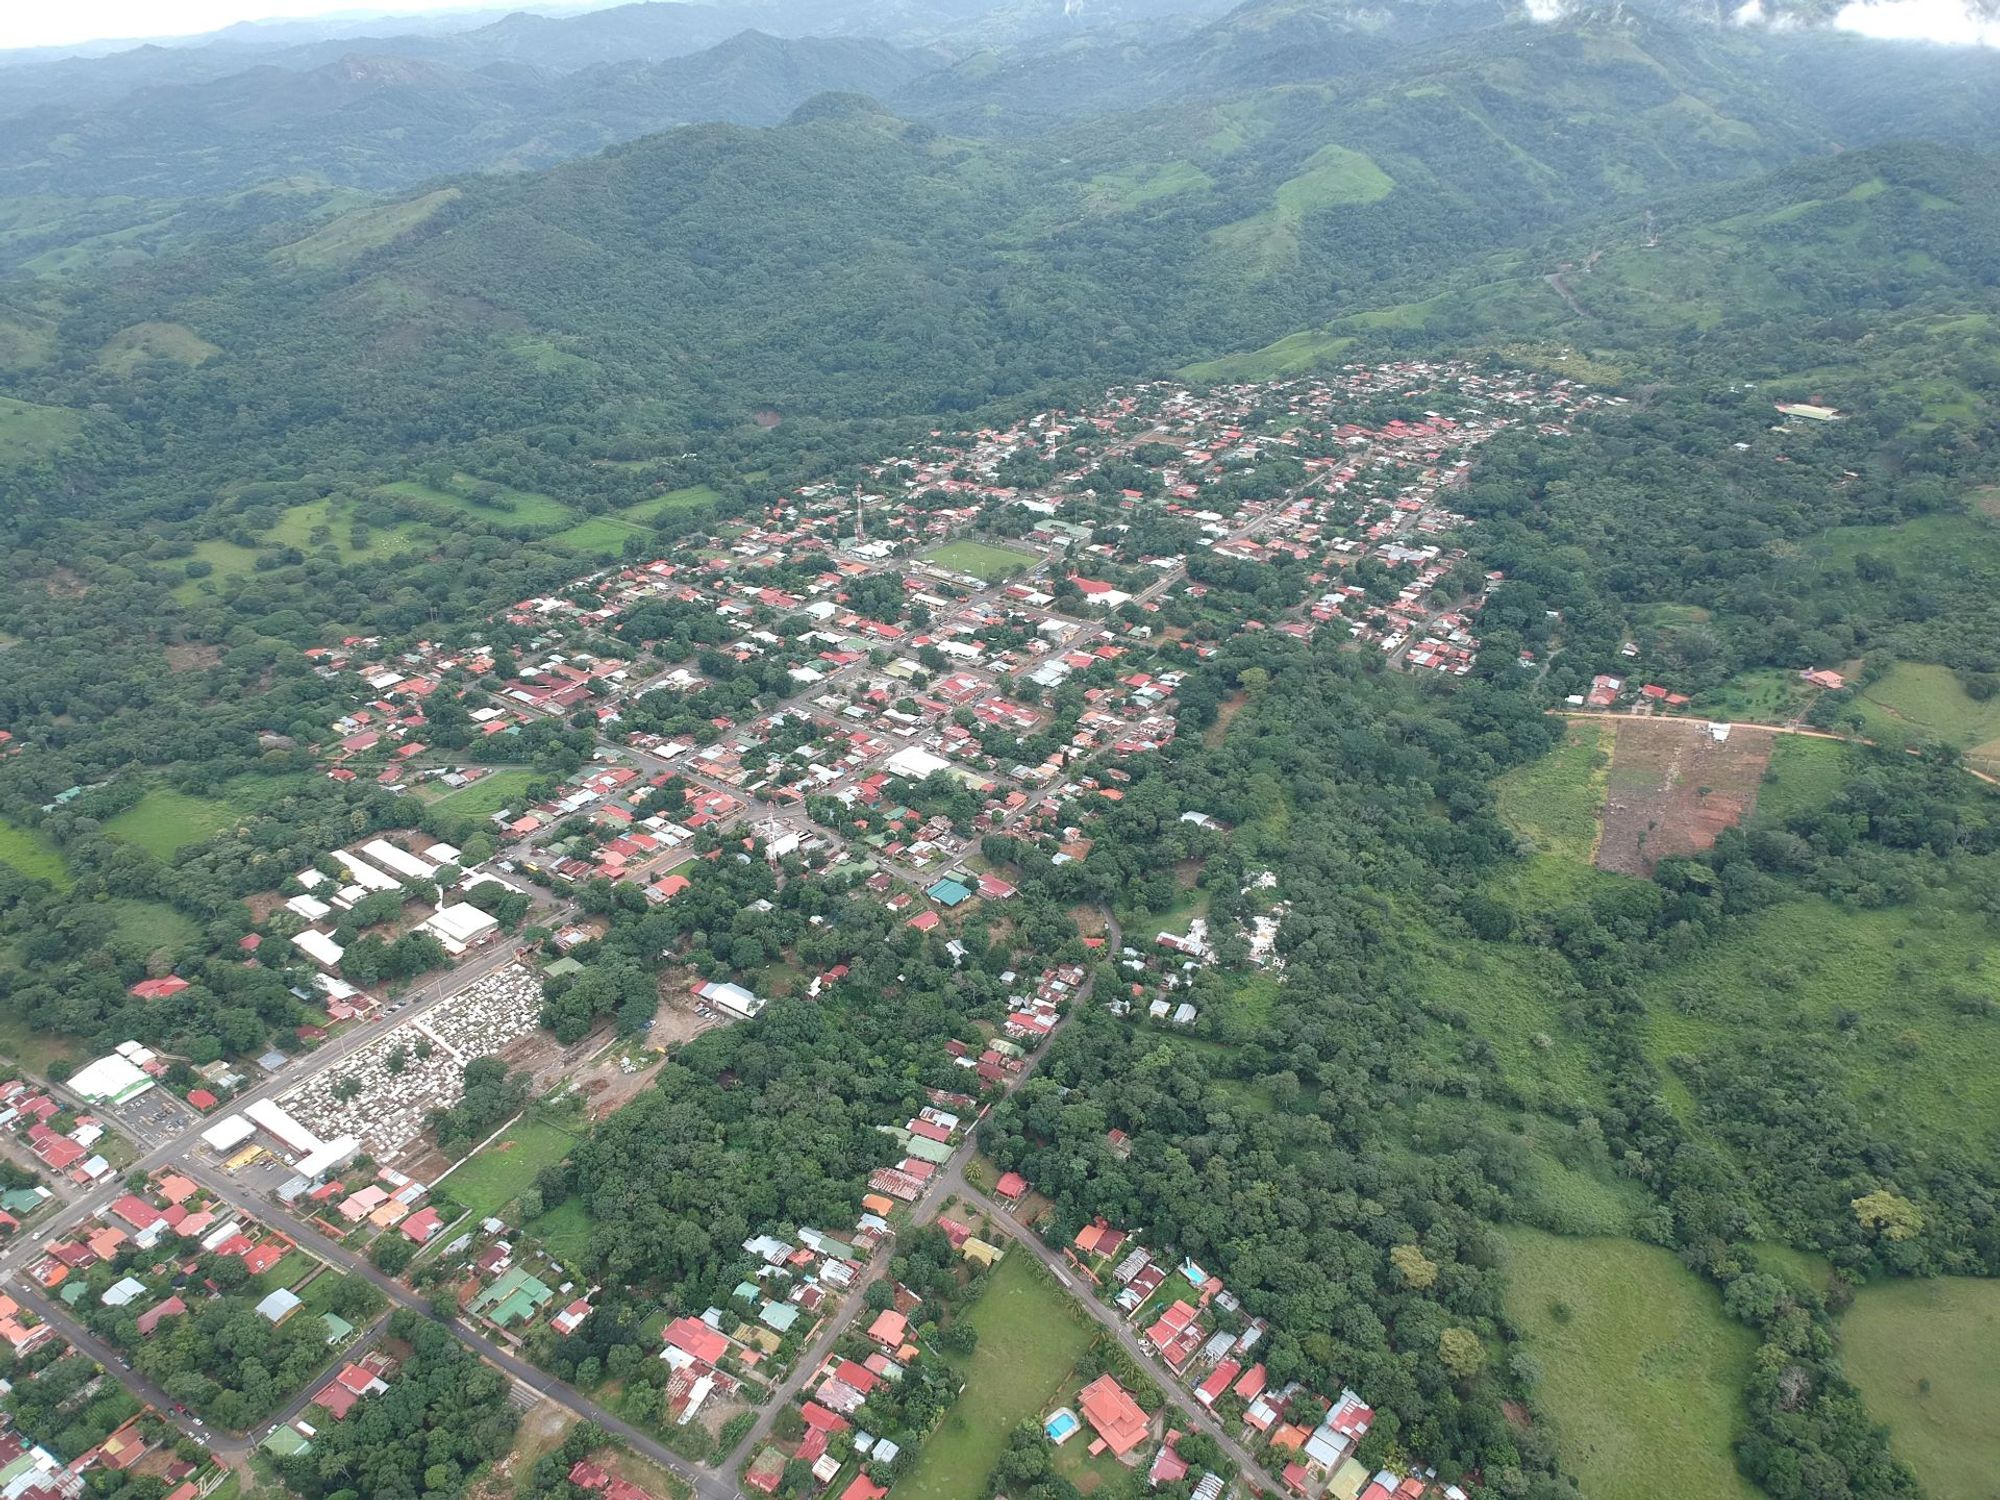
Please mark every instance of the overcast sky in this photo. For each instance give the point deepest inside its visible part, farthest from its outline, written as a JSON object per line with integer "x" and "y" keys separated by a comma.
{"x": 27, "y": 23}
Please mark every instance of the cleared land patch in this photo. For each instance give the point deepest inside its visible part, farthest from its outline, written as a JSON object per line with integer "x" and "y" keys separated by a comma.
{"x": 499, "y": 1174}
{"x": 1642, "y": 1372}
{"x": 29, "y": 431}
{"x": 1889, "y": 997}
{"x": 1030, "y": 1337}
{"x": 33, "y": 854}
{"x": 353, "y": 235}
{"x": 1673, "y": 787}
{"x": 1929, "y": 701}
{"x": 128, "y": 348}
{"x": 165, "y": 820}
{"x": 1926, "y": 1355}
{"x": 488, "y": 795}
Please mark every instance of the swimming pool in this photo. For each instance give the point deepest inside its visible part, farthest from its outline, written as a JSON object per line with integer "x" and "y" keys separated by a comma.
{"x": 1061, "y": 1425}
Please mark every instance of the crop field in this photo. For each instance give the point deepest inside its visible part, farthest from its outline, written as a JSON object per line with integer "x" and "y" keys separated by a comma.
{"x": 1030, "y": 1337}
{"x": 1672, "y": 788}
{"x": 981, "y": 559}
{"x": 31, "y": 853}
{"x": 1885, "y": 992}
{"x": 1926, "y": 1356}
{"x": 1641, "y": 1370}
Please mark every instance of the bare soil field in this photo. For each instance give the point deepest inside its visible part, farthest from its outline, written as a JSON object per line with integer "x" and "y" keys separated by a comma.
{"x": 1673, "y": 788}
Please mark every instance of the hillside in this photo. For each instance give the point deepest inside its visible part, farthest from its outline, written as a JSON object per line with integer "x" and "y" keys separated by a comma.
{"x": 855, "y": 265}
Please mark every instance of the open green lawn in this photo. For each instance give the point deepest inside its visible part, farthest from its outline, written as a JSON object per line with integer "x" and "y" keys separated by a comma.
{"x": 495, "y": 1177}
{"x": 981, "y": 559}
{"x": 130, "y": 347}
{"x": 1764, "y": 695}
{"x": 1030, "y": 1337}
{"x": 316, "y": 528}
{"x": 165, "y": 820}
{"x": 487, "y": 796}
{"x": 32, "y": 853}
{"x": 1916, "y": 1066}
{"x": 1926, "y": 1356}
{"x": 1642, "y": 1373}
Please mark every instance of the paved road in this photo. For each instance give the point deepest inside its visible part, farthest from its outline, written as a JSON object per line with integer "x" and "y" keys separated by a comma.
{"x": 946, "y": 1184}
{"x": 1130, "y": 1341}
{"x": 54, "y": 1312}
{"x": 219, "y": 1183}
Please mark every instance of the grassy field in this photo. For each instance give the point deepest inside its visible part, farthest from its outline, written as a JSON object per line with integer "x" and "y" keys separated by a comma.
{"x": 126, "y": 349}
{"x": 1513, "y": 996}
{"x": 530, "y": 509}
{"x": 1915, "y": 698}
{"x": 487, "y": 796}
{"x": 1926, "y": 1355}
{"x": 1555, "y": 805}
{"x": 981, "y": 559}
{"x": 599, "y": 534}
{"x": 1766, "y": 695}
{"x": 565, "y": 1232}
{"x": 1915, "y": 1067}
{"x": 165, "y": 820}
{"x": 352, "y": 235}
{"x": 496, "y": 1176}
{"x": 1294, "y": 354}
{"x": 29, "y": 1047}
{"x": 29, "y": 431}
{"x": 1568, "y": 1200}
{"x": 1641, "y": 1370}
{"x": 1114, "y": 192}
{"x": 148, "y": 926}
{"x": 31, "y": 853}
{"x": 1803, "y": 775}
{"x": 1030, "y": 1337}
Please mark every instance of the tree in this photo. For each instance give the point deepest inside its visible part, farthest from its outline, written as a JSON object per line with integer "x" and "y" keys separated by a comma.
{"x": 1461, "y": 1352}
{"x": 1417, "y": 1270}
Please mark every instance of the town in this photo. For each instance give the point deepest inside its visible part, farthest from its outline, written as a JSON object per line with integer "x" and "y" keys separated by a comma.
{"x": 887, "y": 694}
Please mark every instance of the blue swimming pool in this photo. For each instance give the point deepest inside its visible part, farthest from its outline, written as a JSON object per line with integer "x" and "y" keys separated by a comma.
{"x": 1060, "y": 1425}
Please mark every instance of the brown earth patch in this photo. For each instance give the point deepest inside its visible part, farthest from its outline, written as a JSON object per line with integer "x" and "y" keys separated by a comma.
{"x": 767, "y": 416}
{"x": 1517, "y": 1414}
{"x": 1673, "y": 788}
{"x": 1228, "y": 709}
{"x": 192, "y": 657}
{"x": 1986, "y": 500}
{"x": 262, "y": 904}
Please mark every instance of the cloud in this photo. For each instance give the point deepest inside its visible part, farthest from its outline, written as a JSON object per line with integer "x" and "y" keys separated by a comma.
{"x": 1957, "y": 23}
{"x": 1544, "y": 11}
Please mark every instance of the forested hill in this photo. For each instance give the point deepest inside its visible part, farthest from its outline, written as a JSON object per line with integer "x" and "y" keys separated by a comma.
{"x": 852, "y": 264}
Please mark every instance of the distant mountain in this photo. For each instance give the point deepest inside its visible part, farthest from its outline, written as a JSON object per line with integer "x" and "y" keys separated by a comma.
{"x": 852, "y": 264}
{"x": 378, "y": 122}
